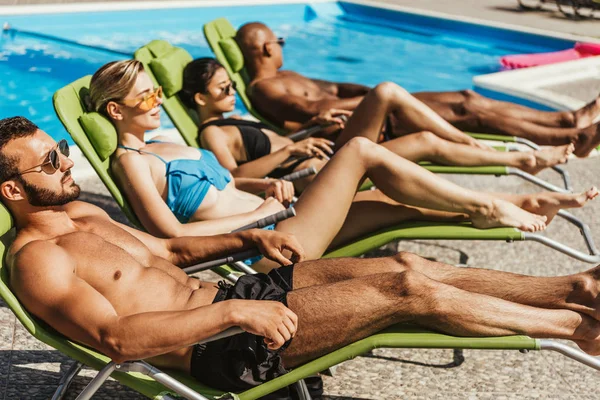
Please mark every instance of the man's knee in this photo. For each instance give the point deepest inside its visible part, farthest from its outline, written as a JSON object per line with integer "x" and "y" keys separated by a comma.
{"x": 414, "y": 286}
{"x": 407, "y": 260}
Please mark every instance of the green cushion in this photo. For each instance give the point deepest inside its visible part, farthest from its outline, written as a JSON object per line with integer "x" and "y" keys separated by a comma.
{"x": 233, "y": 53}
{"x": 159, "y": 48}
{"x": 168, "y": 70}
{"x": 101, "y": 132}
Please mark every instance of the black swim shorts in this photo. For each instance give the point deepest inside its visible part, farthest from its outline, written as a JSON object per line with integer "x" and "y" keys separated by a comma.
{"x": 240, "y": 362}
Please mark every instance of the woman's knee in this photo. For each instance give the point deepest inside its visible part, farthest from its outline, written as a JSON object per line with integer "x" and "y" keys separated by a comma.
{"x": 361, "y": 148}
{"x": 387, "y": 91}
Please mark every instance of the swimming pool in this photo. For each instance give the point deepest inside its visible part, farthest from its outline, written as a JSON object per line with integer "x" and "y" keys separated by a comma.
{"x": 336, "y": 41}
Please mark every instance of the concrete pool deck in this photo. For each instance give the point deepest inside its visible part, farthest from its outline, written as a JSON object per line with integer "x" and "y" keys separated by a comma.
{"x": 31, "y": 370}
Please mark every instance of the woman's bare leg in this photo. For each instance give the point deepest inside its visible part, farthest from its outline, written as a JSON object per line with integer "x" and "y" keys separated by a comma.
{"x": 549, "y": 203}
{"x": 388, "y": 98}
{"x": 331, "y": 316}
{"x": 324, "y": 205}
{"x": 425, "y": 146}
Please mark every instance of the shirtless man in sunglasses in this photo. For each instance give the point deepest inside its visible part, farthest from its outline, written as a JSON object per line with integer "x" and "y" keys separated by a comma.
{"x": 122, "y": 303}
{"x": 290, "y": 99}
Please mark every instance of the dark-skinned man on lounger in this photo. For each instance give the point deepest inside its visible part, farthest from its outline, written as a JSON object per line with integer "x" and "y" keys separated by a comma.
{"x": 290, "y": 99}
{"x": 134, "y": 302}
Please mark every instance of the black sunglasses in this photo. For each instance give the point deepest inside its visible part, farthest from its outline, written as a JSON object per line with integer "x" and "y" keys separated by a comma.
{"x": 52, "y": 163}
{"x": 280, "y": 41}
{"x": 230, "y": 88}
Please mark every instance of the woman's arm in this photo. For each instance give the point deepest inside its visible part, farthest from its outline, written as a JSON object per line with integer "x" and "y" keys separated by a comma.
{"x": 214, "y": 139}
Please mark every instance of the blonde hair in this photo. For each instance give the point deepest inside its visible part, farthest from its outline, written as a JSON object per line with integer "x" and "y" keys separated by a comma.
{"x": 112, "y": 82}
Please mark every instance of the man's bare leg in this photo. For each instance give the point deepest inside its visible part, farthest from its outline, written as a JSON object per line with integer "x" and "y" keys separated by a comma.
{"x": 409, "y": 296}
{"x": 476, "y": 113}
{"x": 324, "y": 205}
{"x": 455, "y": 105}
{"x": 578, "y": 292}
{"x": 426, "y": 146}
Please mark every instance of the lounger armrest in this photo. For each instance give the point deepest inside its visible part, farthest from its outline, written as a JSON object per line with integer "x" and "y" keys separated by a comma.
{"x": 221, "y": 261}
{"x": 303, "y": 173}
{"x": 305, "y": 133}
{"x": 270, "y": 220}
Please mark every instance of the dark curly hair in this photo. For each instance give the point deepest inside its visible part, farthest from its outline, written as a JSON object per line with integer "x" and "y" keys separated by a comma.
{"x": 10, "y": 129}
{"x": 196, "y": 77}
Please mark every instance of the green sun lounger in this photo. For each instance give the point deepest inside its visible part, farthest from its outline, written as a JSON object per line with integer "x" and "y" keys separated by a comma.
{"x": 156, "y": 384}
{"x": 97, "y": 138}
{"x": 70, "y": 109}
{"x": 220, "y": 35}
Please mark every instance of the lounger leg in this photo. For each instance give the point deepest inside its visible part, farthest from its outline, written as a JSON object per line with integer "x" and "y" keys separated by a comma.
{"x": 97, "y": 382}
{"x": 564, "y": 174}
{"x": 566, "y": 350}
{"x": 583, "y": 228}
{"x": 535, "y": 180}
{"x": 66, "y": 380}
{"x": 240, "y": 266}
{"x": 144, "y": 368}
{"x": 578, "y": 255}
{"x": 302, "y": 389}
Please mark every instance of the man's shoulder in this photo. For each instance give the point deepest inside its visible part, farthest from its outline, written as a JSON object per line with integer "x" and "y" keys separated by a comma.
{"x": 81, "y": 209}
{"x": 31, "y": 254}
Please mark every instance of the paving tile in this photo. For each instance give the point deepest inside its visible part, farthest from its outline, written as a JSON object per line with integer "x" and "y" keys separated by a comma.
{"x": 24, "y": 341}
{"x": 7, "y": 327}
{"x": 109, "y": 391}
{"x": 573, "y": 375}
{"x": 377, "y": 375}
{"x": 495, "y": 371}
{"x": 5, "y": 356}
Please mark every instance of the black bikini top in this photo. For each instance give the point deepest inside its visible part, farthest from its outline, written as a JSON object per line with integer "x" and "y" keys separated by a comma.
{"x": 256, "y": 143}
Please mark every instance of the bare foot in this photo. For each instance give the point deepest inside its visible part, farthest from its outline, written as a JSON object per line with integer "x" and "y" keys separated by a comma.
{"x": 588, "y": 114}
{"x": 546, "y": 158}
{"x": 548, "y": 203}
{"x": 587, "y": 140}
{"x": 504, "y": 213}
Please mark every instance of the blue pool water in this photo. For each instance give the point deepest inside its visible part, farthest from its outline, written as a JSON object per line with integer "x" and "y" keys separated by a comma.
{"x": 333, "y": 41}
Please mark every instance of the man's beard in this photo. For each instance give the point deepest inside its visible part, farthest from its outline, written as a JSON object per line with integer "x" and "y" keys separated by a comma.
{"x": 40, "y": 197}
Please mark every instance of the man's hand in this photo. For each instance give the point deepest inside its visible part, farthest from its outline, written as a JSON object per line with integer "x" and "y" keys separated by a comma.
{"x": 269, "y": 319}
{"x": 311, "y": 147}
{"x": 282, "y": 191}
{"x": 332, "y": 116}
{"x": 271, "y": 244}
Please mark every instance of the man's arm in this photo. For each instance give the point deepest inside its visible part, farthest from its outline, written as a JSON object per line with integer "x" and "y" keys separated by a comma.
{"x": 77, "y": 310}
{"x": 342, "y": 90}
{"x": 291, "y": 111}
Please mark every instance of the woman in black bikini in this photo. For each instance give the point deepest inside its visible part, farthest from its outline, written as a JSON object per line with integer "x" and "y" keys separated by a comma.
{"x": 251, "y": 149}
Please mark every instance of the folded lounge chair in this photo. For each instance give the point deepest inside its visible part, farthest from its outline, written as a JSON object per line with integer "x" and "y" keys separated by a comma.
{"x": 96, "y": 137}
{"x": 156, "y": 384}
{"x": 220, "y": 35}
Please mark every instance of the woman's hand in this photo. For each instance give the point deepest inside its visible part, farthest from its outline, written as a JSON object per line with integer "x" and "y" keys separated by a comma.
{"x": 332, "y": 116}
{"x": 282, "y": 191}
{"x": 312, "y": 147}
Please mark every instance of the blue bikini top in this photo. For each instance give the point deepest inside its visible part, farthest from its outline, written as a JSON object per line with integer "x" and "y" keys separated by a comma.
{"x": 189, "y": 180}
